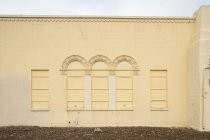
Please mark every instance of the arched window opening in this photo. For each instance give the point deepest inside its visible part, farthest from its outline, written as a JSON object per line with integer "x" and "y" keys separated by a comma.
{"x": 100, "y": 86}
{"x": 124, "y": 86}
{"x": 75, "y": 87}
{"x": 74, "y": 68}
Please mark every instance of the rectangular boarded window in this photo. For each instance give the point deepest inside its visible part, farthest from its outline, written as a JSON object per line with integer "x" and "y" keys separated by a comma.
{"x": 158, "y": 89}
{"x": 100, "y": 92}
{"x": 124, "y": 91}
{"x": 75, "y": 91}
{"x": 40, "y": 89}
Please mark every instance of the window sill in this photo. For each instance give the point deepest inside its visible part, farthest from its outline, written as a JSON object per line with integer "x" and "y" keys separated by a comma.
{"x": 99, "y": 110}
{"x": 41, "y": 110}
{"x": 159, "y": 109}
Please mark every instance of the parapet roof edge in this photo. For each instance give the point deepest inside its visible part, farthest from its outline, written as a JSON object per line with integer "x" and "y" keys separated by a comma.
{"x": 99, "y": 17}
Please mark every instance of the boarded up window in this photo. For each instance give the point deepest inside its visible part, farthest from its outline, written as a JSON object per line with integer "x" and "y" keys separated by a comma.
{"x": 40, "y": 89}
{"x": 75, "y": 90}
{"x": 100, "y": 92}
{"x": 124, "y": 90}
{"x": 158, "y": 89}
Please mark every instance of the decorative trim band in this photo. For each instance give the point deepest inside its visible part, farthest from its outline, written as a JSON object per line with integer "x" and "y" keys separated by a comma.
{"x": 99, "y": 19}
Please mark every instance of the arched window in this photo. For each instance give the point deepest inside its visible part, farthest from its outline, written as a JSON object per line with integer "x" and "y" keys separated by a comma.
{"x": 100, "y": 66}
{"x": 125, "y": 67}
{"x": 74, "y": 67}
{"x": 99, "y": 84}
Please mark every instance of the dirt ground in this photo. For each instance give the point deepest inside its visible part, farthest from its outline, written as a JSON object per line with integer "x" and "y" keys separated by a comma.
{"x": 109, "y": 133}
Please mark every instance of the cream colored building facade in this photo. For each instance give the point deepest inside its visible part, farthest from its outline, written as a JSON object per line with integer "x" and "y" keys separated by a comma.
{"x": 105, "y": 71}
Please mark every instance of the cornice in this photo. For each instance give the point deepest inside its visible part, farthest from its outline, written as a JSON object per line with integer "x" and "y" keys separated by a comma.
{"x": 96, "y": 19}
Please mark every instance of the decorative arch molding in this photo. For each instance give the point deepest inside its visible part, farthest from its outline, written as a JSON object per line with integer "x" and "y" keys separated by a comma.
{"x": 125, "y": 58}
{"x": 74, "y": 58}
{"x": 111, "y": 65}
{"x": 101, "y": 58}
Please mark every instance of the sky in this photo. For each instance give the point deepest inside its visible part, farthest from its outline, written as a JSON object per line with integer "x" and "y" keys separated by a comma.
{"x": 101, "y": 7}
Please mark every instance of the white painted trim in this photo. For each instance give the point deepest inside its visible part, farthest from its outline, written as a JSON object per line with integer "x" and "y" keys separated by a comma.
{"x": 112, "y": 97}
{"x": 87, "y": 92}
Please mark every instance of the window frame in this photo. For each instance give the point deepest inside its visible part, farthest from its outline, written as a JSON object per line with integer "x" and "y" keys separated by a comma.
{"x": 166, "y": 89}
{"x": 32, "y": 89}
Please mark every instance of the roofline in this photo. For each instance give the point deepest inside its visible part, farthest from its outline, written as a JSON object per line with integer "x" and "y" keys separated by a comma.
{"x": 99, "y": 17}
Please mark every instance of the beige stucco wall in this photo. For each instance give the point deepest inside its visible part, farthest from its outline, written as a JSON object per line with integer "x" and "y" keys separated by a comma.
{"x": 199, "y": 55}
{"x": 43, "y": 43}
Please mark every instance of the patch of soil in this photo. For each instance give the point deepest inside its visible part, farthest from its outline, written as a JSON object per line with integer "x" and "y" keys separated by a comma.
{"x": 109, "y": 133}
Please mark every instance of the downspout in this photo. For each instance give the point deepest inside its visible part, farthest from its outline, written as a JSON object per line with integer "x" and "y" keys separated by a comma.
{"x": 203, "y": 97}
{"x": 203, "y": 101}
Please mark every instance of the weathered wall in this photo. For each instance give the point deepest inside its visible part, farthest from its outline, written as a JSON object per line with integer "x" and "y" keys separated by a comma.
{"x": 44, "y": 43}
{"x": 199, "y": 55}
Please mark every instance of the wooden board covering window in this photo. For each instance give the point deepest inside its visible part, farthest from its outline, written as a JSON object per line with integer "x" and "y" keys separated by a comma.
{"x": 124, "y": 90}
{"x": 100, "y": 92}
{"x": 75, "y": 91}
{"x": 158, "y": 89}
{"x": 40, "y": 89}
